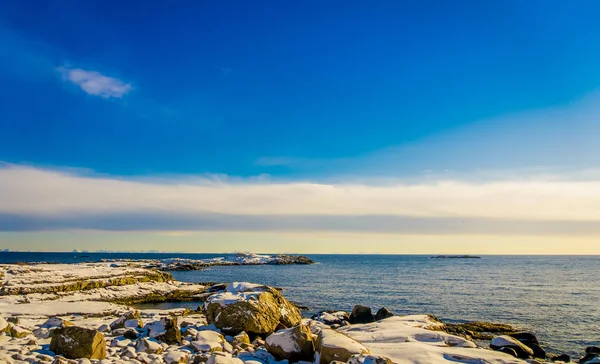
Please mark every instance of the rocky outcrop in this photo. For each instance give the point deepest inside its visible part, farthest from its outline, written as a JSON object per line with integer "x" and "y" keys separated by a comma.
{"x": 332, "y": 345}
{"x": 479, "y": 330}
{"x": 252, "y": 308}
{"x": 521, "y": 350}
{"x": 293, "y": 344}
{"x": 383, "y": 313}
{"x": 77, "y": 342}
{"x": 592, "y": 355}
{"x": 361, "y": 315}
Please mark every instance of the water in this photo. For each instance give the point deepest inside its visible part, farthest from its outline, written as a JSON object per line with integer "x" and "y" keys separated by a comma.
{"x": 556, "y": 297}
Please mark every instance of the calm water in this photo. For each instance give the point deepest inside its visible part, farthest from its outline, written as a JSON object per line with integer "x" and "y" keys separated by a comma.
{"x": 557, "y": 297}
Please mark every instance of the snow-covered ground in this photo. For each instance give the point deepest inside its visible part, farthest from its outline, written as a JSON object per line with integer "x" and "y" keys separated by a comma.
{"x": 34, "y": 312}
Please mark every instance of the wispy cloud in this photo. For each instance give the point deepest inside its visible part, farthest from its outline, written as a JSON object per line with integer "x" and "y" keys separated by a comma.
{"x": 38, "y": 199}
{"x": 95, "y": 83}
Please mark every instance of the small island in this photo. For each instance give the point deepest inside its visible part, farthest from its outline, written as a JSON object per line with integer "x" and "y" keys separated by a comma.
{"x": 455, "y": 257}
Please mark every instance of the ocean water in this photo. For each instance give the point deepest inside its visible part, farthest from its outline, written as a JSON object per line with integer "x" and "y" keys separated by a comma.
{"x": 556, "y": 297}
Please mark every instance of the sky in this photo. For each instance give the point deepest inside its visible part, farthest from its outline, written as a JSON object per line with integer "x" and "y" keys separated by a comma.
{"x": 413, "y": 127}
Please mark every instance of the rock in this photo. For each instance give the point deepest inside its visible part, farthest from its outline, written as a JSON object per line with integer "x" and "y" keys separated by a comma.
{"x": 176, "y": 357}
{"x": 368, "y": 359}
{"x": 77, "y": 342}
{"x": 208, "y": 341}
{"x": 131, "y": 334}
{"x": 594, "y": 350}
{"x": 332, "y": 317}
{"x": 240, "y": 338}
{"x": 531, "y": 341}
{"x": 361, "y": 315}
{"x": 590, "y": 359}
{"x": 104, "y": 328}
{"x": 128, "y": 352}
{"x": 148, "y": 346}
{"x": 508, "y": 350}
{"x": 592, "y": 355}
{"x": 562, "y": 357}
{"x": 3, "y": 324}
{"x": 252, "y": 308}
{"x": 129, "y": 320}
{"x": 293, "y": 344}
{"x": 332, "y": 345}
{"x": 166, "y": 330}
{"x": 383, "y": 313}
{"x": 18, "y": 331}
{"x": 218, "y": 358}
{"x": 54, "y": 322}
{"x": 522, "y": 351}
{"x": 14, "y": 320}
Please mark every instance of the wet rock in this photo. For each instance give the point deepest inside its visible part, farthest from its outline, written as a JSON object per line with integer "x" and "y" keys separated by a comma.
{"x": 592, "y": 355}
{"x": 332, "y": 345}
{"x": 562, "y": 357}
{"x": 77, "y": 342}
{"x": 531, "y": 341}
{"x": 509, "y": 351}
{"x": 293, "y": 344}
{"x": 383, "y": 313}
{"x": 361, "y": 315}
{"x": 522, "y": 351}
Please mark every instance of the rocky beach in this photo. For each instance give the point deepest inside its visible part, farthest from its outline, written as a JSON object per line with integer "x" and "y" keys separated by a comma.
{"x": 81, "y": 313}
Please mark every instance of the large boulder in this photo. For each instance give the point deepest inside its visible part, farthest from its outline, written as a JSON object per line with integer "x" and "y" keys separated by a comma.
{"x": 531, "y": 341}
{"x": 253, "y": 308}
{"x": 332, "y": 345}
{"x": 293, "y": 344}
{"x": 166, "y": 330}
{"x": 77, "y": 342}
{"x": 383, "y": 313}
{"x": 361, "y": 315}
{"x": 592, "y": 355}
{"x": 505, "y": 341}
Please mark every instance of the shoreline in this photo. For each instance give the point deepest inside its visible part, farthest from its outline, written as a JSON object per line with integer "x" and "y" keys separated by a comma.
{"x": 33, "y": 294}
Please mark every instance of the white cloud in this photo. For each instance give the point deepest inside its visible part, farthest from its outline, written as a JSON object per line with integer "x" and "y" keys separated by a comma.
{"x": 26, "y": 191}
{"x": 95, "y": 83}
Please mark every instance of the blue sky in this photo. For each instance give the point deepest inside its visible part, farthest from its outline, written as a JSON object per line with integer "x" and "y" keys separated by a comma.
{"x": 320, "y": 93}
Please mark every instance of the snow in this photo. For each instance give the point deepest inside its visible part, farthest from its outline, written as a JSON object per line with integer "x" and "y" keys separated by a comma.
{"x": 285, "y": 340}
{"x": 332, "y": 339}
{"x": 236, "y": 292}
{"x": 405, "y": 340}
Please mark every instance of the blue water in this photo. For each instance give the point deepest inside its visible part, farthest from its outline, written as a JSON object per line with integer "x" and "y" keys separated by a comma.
{"x": 556, "y": 297}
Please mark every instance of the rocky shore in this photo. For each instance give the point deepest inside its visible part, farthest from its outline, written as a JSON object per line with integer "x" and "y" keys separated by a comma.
{"x": 60, "y": 313}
